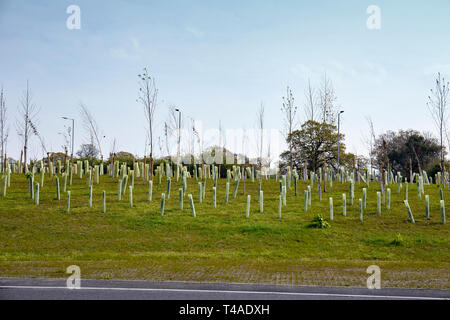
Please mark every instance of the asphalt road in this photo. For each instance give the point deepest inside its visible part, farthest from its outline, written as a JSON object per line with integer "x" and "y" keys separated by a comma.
{"x": 56, "y": 289}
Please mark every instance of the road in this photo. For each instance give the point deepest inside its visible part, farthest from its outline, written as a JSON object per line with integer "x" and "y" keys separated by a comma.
{"x": 55, "y": 289}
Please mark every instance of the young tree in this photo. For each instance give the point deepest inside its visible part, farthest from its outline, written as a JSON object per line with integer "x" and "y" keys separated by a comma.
{"x": 260, "y": 138}
{"x": 28, "y": 112}
{"x": 174, "y": 126}
{"x": 290, "y": 111}
{"x": 327, "y": 100}
{"x": 67, "y": 136}
{"x": 173, "y": 120}
{"x": 166, "y": 139}
{"x": 35, "y": 131}
{"x": 370, "y": 142}
{"x": 92, "y": 128}
{"x": 148, "y": 95}
{"x": 112, "y": 154}
{"x": 311, "y": 103}
{"x": 437, "y": 105}
{"x": 4, "y": 130}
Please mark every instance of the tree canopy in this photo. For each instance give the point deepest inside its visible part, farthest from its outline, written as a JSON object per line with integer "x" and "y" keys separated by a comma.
{"x": 399, "y": 148}
{"x": 88, "y": 151}
{"x": 315, "y": 143}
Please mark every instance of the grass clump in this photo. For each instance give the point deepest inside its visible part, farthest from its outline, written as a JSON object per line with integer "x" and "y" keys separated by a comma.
{"x": 398, "y": 241}
{"x": 319, "y": 222}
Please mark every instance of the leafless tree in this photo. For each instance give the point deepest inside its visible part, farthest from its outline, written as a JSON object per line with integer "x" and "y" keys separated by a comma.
{"x": 290, "y": 110}
{"x": 174, "y": 125}
{"x": 437, "y": 104}
{"x": 221, "y": 144}
{"x": 173, "y": 120}
{"x": 28, "y": 112}
{"x": 35, "y": 131}
{"x": 166, "y": 138}
{"x": 160, "y": 146}
{"x": 67, "y": 136}
{"x": 269, "y": 157}
{"x": 244, "y": 150}
{"x": 200, "y": 142}
{"x": 311, "y": 103}
{"x": 327, "y": 100}
{"x": 148, "y": 95}
{"x": 260, "y": 136}
{"x": 112, "y": 153}
{"x": 114, "y": 146}
{"x": 370, "y": 141}
{"x": 91, "y": 127}
{"x": 4, "y": 130}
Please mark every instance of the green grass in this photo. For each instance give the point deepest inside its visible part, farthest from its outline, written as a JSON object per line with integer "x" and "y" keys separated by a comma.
{"x": 221, "y": 244}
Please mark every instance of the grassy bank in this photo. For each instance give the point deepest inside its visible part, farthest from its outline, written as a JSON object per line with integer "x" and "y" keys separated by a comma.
{"x": 220, "y": 244}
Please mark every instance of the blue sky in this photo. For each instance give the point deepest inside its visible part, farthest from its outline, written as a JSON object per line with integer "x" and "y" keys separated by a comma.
{"x": 218, "y": 60}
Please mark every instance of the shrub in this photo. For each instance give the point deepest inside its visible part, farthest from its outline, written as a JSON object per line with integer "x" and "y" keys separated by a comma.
{"x": 398, "y": 241}
{"x": 319, "y": 222}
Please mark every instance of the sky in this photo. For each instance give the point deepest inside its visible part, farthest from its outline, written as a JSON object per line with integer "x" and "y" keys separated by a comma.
{"x": 218, "y": 61}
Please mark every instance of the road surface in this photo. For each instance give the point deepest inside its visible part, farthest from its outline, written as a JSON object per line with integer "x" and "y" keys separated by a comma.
{"x": 56, "y": 289}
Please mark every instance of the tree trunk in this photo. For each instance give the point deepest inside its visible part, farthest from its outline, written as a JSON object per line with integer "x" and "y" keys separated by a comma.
{"x": 151, "y": 167}
{"x": 383, "y": 180}
{"x": 410, "y": 170}
{"x": 20, "y": 162}
{"x": 143, "y": 171}
{"x": 25, "y": 154}
{"x": 243, "y": 177}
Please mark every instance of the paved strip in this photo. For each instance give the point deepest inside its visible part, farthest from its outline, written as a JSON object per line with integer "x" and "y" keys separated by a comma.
{"x": 234, "y": 292}
{"x": 49, "y": 289}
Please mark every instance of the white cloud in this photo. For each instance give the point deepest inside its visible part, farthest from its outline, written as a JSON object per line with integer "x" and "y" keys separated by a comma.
{"x": 338, "y": 71}
{"x": 130, "y": 52}
{"x": 195, "y": 32}
{"x": 136, "y": 44}
{"x": 434, "y": 69}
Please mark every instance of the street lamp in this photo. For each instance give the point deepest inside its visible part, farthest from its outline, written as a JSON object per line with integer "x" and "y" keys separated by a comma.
{"x": 339, "y": 123}
{"x": 179, "y": 135}
{"x": 73, "y": 133}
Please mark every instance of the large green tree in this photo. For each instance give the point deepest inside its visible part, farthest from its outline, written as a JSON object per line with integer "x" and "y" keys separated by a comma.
{"x": 315, "y": 143}
{"x": 406, "y": 148}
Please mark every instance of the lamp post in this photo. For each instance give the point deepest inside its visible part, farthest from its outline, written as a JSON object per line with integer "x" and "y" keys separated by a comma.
{"x": 179, "y": 135}
{"x": 73, "y": 133}
{"x": 339, "y": 137}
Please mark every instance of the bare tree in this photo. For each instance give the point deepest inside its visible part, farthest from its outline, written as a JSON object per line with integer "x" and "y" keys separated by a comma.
{"x": 112, "y": 154}
{"x": 260, "y": 138}
{"x": 200, "y": 141}
{"x": 148, "y": 95}
{"x": 192, "y": 139}
{"x": 437, "y": 104}
{"x": 370, "y": 141}
{"x": 269, "y": 156}
{"x": 4, "y": 130}
{"x": 166, "y": 138}
{"x": 311, "y": 103}
{"x": 67, "y": 136}
{"x": 28, "y": 112}
{"x": 174, "y": 125}
{"x": 113, "y": 146}
{"x": 40, "y": 138}
{"x": 290, "y": 110}
{"x": 160, "y": 146}
{"x": 173, "y": 120}
{"x": 91, "y": 127}
{"x": 221, "y": 146}
{"x": 327, "y": 100}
